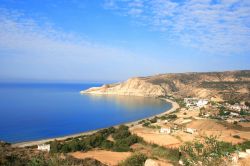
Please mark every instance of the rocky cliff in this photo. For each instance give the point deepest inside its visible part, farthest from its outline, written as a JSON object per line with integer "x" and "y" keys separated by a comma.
{"x": 228, "y": 85}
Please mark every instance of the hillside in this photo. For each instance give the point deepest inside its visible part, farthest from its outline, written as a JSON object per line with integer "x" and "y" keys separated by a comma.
{"x": 229, "y": 85}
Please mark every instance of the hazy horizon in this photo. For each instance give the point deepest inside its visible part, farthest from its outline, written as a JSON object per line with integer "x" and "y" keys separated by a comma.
{"x": 112, "y": 40}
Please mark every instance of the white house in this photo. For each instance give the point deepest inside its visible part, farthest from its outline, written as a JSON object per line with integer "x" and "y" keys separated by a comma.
{"x": 165, "y": 130}
{"x": 195, "y": 102}
{"x": 238, "y": 107}
{"x": 248, "y": 151}
{"x": 234, "y": 114}
{"x": 191, "y": 130}
{"x": 44, "y": 147}
{"x": 243, "y": 154}
{"x": 201, "y": 103}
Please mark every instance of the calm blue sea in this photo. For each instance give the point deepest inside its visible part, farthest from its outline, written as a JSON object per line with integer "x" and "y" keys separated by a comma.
{"x": 37, "y": 111}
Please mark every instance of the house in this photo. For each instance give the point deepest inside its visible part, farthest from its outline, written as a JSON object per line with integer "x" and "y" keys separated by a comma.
{"x": 237, "y": 107}
{"x": 243, "y": 154}
{"x": 165, "y": 121}
{"x": 190, "y": 130}
{"x": 195, "y": 102}
{"x": 234, "y": 114}
{"x": 206, "y": 115}
{"x": 190, "y": 101}
{"x": 44, "y": 147}
{"x": 201, "y": 103}
{"x": 165, "y": 130}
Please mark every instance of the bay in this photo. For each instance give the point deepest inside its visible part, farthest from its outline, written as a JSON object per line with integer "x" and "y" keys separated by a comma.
{"x": 33, "y": 111}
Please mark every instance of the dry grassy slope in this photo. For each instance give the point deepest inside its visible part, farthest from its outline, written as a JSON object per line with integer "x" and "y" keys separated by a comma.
{"x": 217, "y": 85}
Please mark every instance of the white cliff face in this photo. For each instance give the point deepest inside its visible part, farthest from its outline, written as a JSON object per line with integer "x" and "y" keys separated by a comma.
{"x": 132, "y": 87}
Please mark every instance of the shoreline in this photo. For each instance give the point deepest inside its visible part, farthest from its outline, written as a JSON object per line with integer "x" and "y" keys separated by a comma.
{"x": 174, "y": 106}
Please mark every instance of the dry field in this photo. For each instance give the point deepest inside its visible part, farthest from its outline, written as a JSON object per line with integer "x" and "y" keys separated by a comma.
{"x": 106, "y": 157}
{"x": 153, "y": 136}
{"x": 210, "y": 127}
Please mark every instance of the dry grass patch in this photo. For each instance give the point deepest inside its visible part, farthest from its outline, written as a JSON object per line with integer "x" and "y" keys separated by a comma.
{"x": 106, "y": 157}
{"x": 153, "y": 136}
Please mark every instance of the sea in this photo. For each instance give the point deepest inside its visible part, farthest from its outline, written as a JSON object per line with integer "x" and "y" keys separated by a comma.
{"x": 34, "y": 111}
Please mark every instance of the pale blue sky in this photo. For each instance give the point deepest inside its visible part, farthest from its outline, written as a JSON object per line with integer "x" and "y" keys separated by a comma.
{"x": 112, "y": 40}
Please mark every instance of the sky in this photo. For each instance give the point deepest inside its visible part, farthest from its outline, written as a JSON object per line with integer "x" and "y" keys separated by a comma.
{"x": 112, "y": 40}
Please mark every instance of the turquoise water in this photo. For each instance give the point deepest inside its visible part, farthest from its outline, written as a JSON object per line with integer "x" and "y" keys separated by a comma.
{"x": 37, "y": 111}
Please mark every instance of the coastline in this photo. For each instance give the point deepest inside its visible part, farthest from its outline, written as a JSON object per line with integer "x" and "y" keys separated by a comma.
{"x": 42, "y": 141}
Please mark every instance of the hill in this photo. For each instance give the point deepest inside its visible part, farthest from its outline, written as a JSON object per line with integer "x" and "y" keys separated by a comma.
{"x": 229, "y": 85}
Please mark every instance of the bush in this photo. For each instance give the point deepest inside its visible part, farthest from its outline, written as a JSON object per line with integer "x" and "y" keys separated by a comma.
{"x": 106, "y": 144}
{"x": 172, "y": 116}
{"x": 236, "y": 136}
{"x": 121, "y": 133}
{"x": 243, "y": 146}
{"x": 136, "y": 159}
{"x": 235, "y": 122}
{"x": 242, "y": 112}
{"x": 123, "y": 145}
{"x": 207, "y": 151}
{"x": 166, "y": 153}
{"x": 163, "y": 117}
{"x": 146, "y": 124}
{"x": 55, "y": 147}
{"x": 247, "y": 103}
{"x": 224, "y": 112}
{"x": 154, "y": 120}
{"x": 141, "y": 122}
{"x": 122, "y": 136}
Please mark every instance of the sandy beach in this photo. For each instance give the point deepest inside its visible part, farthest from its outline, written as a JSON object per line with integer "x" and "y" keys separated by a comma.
{"x": 42, "y": 141}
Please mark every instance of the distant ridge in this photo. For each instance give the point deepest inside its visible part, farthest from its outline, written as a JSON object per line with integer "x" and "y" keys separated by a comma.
{"x": 228, "y": 85}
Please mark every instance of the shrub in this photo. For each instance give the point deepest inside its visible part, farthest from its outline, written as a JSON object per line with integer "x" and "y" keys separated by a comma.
{"x": 122, "y": 136}
{"x": 223, "y": 112}
{"x": 121, "y": 146}
{"x": 154, "y": 120}
{"x": 245, "y": 145}
{"x": 106, "y": 144}
{"x": 163, "y": 117}
{"x": 172, "y": 116}
{"x": 146, "y": 124}
{"x": 207, "y": 151}
{"x": 166, "y": 153}
{"x": 136, "y": 159}
{"x": 235, "y": 122}
{"x": 236, "y": 136}
{"x": 242, "y": 112}
{"x": 141, "y": 122}
{"x": 121, "y": 133}
{"x": 55, "y": 146}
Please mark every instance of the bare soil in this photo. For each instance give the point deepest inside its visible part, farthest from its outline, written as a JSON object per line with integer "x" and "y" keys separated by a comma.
{"x": 106, "y": 157}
